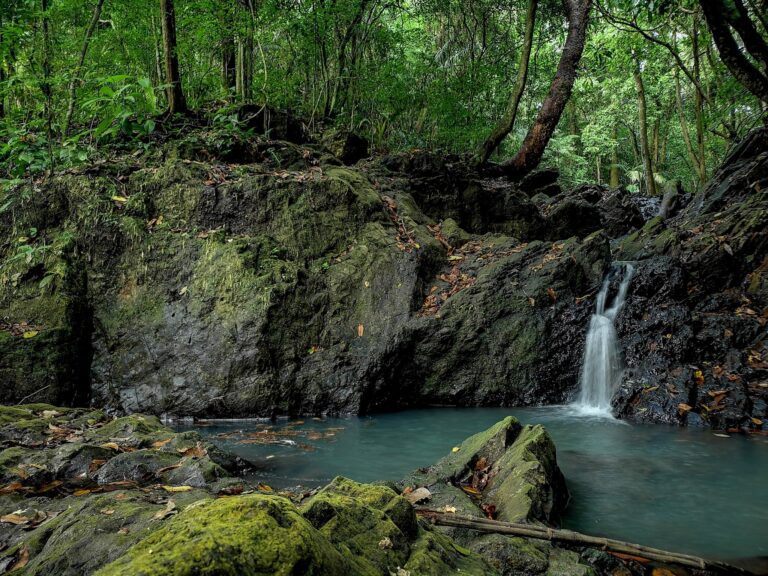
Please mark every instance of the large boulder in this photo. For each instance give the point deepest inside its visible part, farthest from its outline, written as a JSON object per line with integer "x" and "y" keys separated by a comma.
{"x": 242, "y": 536}
{"x": 509, "y": 468}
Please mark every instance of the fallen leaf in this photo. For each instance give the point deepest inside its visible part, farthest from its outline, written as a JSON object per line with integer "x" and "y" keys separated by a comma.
{"x": 30, "y": 334}
{"x": 119, "y": 199}
{"x": 231, "y": 490}
{"x": 698, "y": 377}
{"x": 727, "y": 333}
{"x": 490, "y": 511}
{"x": 12, "y": 487}
{"x": 684, "y": 408}
{"x": 418, "y": 495}
{"x": 264, "y": 487}
{"x": 123, "y": 531}
{"x": 197, "y": 451}
{"x": 360, "y": 330}
{"x": 21, "y": 560}
{"x": 15, "y": 519}
{"x": 170, "y": 509}
{"x": 531, "y": 301}
{"x": 107, "y": 511}
{"x": 552, "y": 294}
{"x": 110, "y": 446}
{"x": 471, "y": 490}
{"x": 385, "y": 544}
{"x": 756, "y": 421}
{"x": 50, "y": 486}
{"x": 177, "y": 488}
{"x": 168, "y": 468}
{"x": 47, "y": 414}
{"x": 455, "y": 449}
{"x": 449, "y": 509}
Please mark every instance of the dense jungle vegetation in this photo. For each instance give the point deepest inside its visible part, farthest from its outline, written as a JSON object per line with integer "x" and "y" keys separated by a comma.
{"x": 660, "y": 93}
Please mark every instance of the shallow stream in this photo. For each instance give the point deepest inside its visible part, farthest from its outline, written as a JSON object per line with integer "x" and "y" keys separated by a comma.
{"x": 685, "y": 490}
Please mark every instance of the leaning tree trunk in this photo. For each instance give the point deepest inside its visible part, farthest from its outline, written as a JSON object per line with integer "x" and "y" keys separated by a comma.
{"x": 532, "y": 150}
{"x": 716, "y": 14}
{"x": 176, "y": 101}
{"x": 507, "y": 122}
{"x": 76, "y": 74}
{"x": 645, "y": 151}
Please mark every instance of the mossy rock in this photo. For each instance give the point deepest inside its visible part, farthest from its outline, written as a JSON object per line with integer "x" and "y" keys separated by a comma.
{"x": 526, "y": 483}
{"x": 490, "y": 444}
{"x": 242, "y": 536}
{"x": 88, "y": 531}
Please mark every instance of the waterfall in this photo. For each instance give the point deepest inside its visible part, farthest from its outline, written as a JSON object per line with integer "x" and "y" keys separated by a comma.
{"x": 602, "y": 368}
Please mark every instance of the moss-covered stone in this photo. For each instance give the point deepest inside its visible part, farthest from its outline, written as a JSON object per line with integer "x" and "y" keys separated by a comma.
{"x": 240, "y": 536}
{"x": 526, "y": 483}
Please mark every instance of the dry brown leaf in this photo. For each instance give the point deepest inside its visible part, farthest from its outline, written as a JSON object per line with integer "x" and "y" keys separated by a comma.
{"x": 418, "y": 495}
{"x": 170, "y": 510}
{"x": 15, "y": 519}
{"x": 21, "y": 560}
{"x": 161, "y": 443}
{"x": 110, "y": 446}
{"x": 360, "y": 330}
{"x": 197, "y": 451}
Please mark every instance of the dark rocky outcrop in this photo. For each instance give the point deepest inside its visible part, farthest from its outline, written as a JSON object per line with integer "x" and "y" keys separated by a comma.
{"x": 280, "y": 281}
{"x": 693, "y": 329}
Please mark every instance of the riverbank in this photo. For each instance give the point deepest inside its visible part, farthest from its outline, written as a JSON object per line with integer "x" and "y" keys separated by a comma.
{"x": 166, "y": 503}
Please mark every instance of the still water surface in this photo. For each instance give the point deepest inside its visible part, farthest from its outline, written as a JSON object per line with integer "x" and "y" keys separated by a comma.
{"x": 685, "y": 490}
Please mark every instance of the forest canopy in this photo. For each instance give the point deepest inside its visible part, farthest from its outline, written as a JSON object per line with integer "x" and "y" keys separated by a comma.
{"x": 618, "y": 92}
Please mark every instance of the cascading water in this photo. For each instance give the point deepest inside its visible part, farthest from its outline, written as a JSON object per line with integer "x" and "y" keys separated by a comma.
{"x": 602, "y": 367}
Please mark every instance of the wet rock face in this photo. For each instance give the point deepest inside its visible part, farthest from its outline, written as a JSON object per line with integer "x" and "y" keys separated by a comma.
{"x": 589, "y": 208}
{"x": 299, "y": 286}
{"x": 288, "y": 283}
{"x": 693, "y": 329}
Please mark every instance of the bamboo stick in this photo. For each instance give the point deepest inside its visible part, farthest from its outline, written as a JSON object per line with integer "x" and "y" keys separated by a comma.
{"x": 569, "y": 536}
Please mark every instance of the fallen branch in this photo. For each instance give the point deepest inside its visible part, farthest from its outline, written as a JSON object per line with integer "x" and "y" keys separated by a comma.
{"x": 35, "y": 393}
{"x": 570, "y": 537}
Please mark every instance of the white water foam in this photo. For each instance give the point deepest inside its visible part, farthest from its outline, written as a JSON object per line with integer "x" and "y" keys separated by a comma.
{"x": 602, "y": 368}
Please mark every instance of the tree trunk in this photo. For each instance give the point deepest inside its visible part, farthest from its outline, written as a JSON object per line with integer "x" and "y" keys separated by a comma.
{"x": 645, "y": 152}
{"x": 614, "y": 183}
{"x": 177, "y": 104}
{"x": 716, "y": 14}
{"x": 699, "y": 107}
{"x": 76, "y": 74}
{"x": 2, "y": 78}
{"x": 684, "y": 127}
{"x": 229, "y": 65}
{"x": 507, "y": 122}
{"x": 45, "y": 84}
{"x": 532, "y": 150}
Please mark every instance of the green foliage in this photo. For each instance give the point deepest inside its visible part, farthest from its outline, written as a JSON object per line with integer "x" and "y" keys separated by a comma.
{"x": 407, "y": 75}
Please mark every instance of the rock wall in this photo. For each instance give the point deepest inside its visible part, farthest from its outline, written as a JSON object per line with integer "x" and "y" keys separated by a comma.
{"x": 246, "y": 279}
